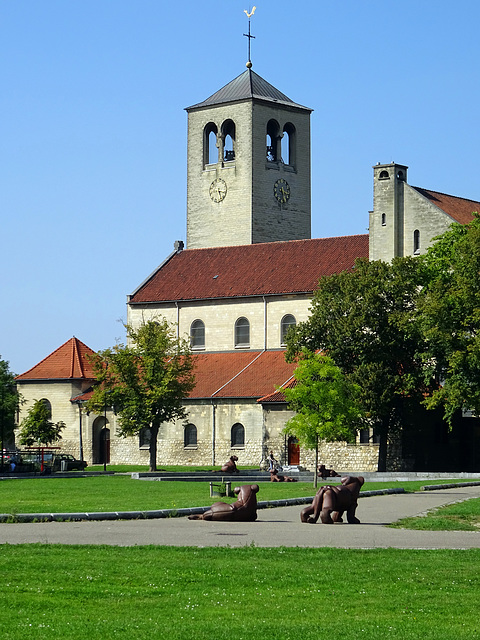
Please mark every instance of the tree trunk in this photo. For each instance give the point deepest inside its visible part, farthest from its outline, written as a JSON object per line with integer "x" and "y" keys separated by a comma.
{"x": 153, "y": 448}
{"x": 382, "y": 450}
{"x": 315, "y": 473}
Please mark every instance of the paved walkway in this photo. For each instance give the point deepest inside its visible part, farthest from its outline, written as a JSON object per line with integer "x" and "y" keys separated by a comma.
{"x": 275, "y": 527}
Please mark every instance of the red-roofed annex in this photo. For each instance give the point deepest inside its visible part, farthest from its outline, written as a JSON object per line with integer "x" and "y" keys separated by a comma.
{"x": 69, "y": 362}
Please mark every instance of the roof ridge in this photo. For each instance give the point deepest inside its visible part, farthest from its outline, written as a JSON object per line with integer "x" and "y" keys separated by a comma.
{"x": 76, "y": 356}
{"x": 441, "y": 193}
{"x": 276, "y": 242}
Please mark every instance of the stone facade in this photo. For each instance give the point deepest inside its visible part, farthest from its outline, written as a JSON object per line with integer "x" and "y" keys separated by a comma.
{"x": 219, "y": 316}
{"x": 237, "y": 168}
{"x": 403, "y": 221}
{"x": 246, "y": 211}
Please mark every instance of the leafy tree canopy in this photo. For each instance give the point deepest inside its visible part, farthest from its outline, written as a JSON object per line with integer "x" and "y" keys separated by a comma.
{"x": 37, "y": 427}
{"x": 365, "y": 320}
{"x": 145, "y": 381}
{"x": 9, "y": 402}
{"x": 450, "y": 313}
{"x": 325, "y": 402}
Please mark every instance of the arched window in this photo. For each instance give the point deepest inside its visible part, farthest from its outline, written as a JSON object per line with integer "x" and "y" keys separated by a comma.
{"x": 416, "y": 242}
{"x": 197, "y": 335}
{"x": 384, "y": 220}
{"x": 190, "y": 436}
{"x": 384, "y": 175}
{"x": 144, "y": 437}
{"x": 238, "y": 435}
{"x": 228, "y": 137}
{"x": 210, "y": 150}
{"x": 242, "y": 333}
{"x": 287, "y": 322}
{"x": 273, "y": 150}
{"x": 47, "y": 404}
{"x": 401, "y": 175}
{"x": 288, "y": 144}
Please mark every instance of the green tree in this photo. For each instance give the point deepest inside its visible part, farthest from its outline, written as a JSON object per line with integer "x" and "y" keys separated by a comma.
{"x": 325, "y": 401}
{"x": 366, "y": 321}
{"x": 450, "y": 313}
{"x": 9, "y": 403}
{"x": 145, "y": 381}
{"x": 38, "y": 428}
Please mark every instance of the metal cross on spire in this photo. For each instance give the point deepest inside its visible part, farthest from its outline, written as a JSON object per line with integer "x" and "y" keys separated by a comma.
{"x": 249, "y": 35}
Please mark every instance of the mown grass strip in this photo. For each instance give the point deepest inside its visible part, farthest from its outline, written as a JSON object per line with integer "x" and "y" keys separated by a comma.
{"x": 461, "y": 516}
{"x": 183, "y": 593}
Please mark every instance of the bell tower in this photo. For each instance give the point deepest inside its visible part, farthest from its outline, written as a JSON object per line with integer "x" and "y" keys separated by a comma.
{"x": 248, "y": 176}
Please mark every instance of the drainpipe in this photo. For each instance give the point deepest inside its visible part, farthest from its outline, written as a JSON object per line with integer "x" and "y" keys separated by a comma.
{"x": 81, "y": 438}
{"x": 214, "y": 407}
{"x": 178, "y": 319}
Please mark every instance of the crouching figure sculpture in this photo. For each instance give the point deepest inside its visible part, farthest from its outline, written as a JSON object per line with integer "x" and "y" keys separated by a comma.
{"x": 323, "y": 472}
{"x": 275, "y": 477}
{"x": 331, "y": 502}
{"x": 230, "y": 466}
{"x": 243, "y": 510}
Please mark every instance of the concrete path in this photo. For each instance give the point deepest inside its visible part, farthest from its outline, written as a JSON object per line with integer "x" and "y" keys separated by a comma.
{"x": 274, "y": 528}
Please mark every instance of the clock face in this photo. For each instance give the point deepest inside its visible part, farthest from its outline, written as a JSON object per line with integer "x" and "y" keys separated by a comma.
{"x": 281, "y": 190}
{"x": 218, "y": 190}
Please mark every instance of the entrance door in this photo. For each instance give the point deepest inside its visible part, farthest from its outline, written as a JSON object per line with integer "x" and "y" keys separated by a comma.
{"x": 293, "y": 451}
{"x": 105, "y": 446}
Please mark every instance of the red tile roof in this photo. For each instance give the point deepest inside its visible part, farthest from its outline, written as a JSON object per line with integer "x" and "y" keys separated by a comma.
{"x": 460, "y": 209}
{"x": 250, "y": 270}
{"x": 83, "y": 397}
{"x": 279, "y": 396}
{"x": 68, "y": 362}
{"x": 240, "y": 374}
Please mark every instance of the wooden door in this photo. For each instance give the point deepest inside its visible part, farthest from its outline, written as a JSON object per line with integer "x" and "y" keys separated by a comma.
{"x": 293, "y": 451}
{"x": 105, "y": 446}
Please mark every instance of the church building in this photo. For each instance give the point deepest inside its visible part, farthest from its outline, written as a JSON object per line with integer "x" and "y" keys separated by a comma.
{"x": 246, "y": 274}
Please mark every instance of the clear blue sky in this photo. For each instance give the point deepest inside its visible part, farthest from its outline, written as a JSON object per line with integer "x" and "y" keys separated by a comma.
{"x": 93, "y": 132}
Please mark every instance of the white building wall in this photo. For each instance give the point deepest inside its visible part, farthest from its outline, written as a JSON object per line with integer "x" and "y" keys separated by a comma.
{"x": 219, "y": 316}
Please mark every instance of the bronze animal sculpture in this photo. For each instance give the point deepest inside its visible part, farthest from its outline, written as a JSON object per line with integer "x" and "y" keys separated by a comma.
{"x": 230, "y": 466}
{"x": 331, "y": 502}
{"x": 243, "y": 510}
{"x": 327, "y": 473}
{"x": 275, "y": 477}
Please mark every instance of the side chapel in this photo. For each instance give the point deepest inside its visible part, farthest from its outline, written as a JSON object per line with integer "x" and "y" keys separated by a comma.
{"x": 247, "y": 273}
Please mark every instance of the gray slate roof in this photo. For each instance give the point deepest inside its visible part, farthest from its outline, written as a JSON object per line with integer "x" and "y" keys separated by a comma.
{"x": 247, "y": 86}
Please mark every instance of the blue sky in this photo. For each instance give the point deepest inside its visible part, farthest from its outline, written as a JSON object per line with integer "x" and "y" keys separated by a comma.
{"x": 93, "y": 132}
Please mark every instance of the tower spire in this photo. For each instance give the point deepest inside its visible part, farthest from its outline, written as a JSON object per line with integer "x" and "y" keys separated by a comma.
{"x": 248, "y": 35}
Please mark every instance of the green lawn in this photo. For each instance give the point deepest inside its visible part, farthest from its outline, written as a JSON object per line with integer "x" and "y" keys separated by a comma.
{"x": 248, "y": 593}
{"x": 461, "y": 516}
{"x": 121, "y": 493}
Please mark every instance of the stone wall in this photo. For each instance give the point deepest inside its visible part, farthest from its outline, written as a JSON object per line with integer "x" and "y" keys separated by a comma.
{"x": 249, "y": 212}
{"x": 400, "y": 210}
{"x": 219, "y": 317}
